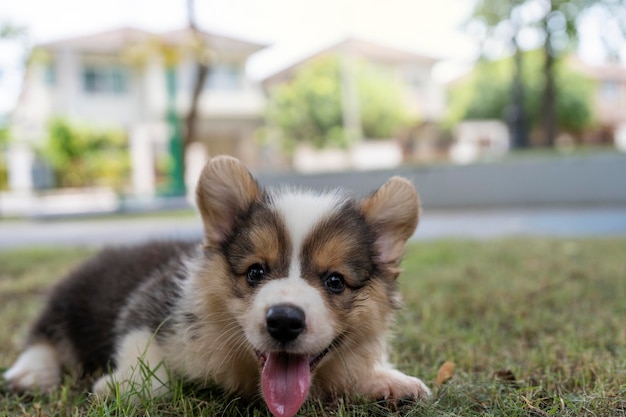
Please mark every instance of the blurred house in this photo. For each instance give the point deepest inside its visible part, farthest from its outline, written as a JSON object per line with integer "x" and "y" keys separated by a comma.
{"x": 427, "y": 97}
{"x": 118, "y": 79}
{"x": 609, "y": 100}
{"x": 426, "y": 101}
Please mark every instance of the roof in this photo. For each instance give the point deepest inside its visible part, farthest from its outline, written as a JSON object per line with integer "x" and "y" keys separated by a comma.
{"x": 114, "y": 40}
{"x": 218, "y": 41}
{"x": 609, "y": 71}
{"x": 362, "y": 48}
{"x": 109, "y": 41}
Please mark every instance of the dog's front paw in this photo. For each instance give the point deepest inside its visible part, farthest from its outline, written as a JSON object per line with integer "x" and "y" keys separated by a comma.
{"x": 104, "y": 387}
{"x": 131, "y": 385}
{"x": 393, "y": 385}
{"x": 37, "y": 368}
{"x": 136, "y": 382}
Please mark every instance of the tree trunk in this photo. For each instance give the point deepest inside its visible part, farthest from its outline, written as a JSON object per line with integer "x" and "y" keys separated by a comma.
{"x": 201, "y": 74}
{"x": 516, "y": 116}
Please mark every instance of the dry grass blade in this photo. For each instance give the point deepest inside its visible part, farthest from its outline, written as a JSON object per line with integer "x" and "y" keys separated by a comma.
{"x": 534, "y": 409}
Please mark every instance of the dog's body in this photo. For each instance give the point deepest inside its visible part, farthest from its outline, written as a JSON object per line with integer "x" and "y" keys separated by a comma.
{"x": 291, "y": 292}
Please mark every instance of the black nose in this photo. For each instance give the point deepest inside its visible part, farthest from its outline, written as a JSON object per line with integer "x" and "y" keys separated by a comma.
{"x": 285, "y": 322}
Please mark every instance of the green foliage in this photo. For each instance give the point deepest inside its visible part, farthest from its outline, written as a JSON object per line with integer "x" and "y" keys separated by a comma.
{"x": 382, "y": 102}
{"x": 4, "y": 136}
{"x": 4, "y": 173}
{"x": 573, "y": 101}
{"x": 4, "y": 170}
{"x": 499, "y": 23}
{"x": 85, "y": 157}
{"x": 557, "y": 22}
{"x": 309, "y": 107}
{"x": 486, "y": 94}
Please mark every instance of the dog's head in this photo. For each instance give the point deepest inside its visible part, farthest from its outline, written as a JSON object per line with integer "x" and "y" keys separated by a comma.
{"x": 309, "y": 272}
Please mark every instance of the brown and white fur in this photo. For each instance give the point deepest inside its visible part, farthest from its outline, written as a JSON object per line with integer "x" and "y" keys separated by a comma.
{"x": 283, "y": 274}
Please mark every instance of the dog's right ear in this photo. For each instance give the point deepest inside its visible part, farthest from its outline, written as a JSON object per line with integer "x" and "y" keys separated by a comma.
{"x": 226, "y": 189}
{"x": 393, "y": 211}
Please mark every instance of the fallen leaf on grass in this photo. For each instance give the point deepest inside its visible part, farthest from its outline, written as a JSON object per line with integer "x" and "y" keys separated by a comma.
{"x": 445, "y": 372}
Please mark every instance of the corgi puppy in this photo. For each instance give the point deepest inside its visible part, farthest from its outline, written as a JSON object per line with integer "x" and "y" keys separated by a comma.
{"x": 291, "y": 294}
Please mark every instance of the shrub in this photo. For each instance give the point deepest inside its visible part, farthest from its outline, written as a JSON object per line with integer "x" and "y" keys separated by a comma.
{"x": 82, "y": 156}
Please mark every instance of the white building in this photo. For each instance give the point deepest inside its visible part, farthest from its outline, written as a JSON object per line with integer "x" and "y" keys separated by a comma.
{"x": 426, "y": 97}
{"x": 118, "y": 79}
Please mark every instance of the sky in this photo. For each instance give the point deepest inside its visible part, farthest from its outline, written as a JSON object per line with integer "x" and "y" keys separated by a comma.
{"x": 293, "y": 28}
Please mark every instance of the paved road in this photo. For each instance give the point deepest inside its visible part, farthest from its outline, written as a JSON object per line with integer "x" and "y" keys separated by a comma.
{"x": 434, "y": 225}
{"x": 531, "y": 222}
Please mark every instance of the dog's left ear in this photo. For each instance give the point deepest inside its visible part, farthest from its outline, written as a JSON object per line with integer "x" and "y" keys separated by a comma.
{"x": 393, "y": 210}
{"x": 226, "y": 190}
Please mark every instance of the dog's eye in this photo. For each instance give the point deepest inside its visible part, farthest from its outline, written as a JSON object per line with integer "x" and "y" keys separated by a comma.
{"x": 335, "y": 283}
{"x": 255, "y": 274}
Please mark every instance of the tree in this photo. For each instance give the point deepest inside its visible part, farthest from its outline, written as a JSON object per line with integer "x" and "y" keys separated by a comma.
{"x": 4, "y": 139}
{"x": 489, "y": 13}
{"x": 309, "y": 107}
{"x": 485, "y": 94}
{"x": 180, "y": 135}
{"x": 202, "y": 71}
{"x": 556, "y": 22}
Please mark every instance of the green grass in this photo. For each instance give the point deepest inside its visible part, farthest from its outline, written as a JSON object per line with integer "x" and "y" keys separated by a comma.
{"x": 535, "y": 327}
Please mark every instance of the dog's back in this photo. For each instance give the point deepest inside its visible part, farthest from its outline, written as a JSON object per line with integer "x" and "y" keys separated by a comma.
{"x": 83, "y": 309}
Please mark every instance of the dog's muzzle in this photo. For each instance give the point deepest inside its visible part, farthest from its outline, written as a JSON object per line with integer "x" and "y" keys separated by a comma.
{"x": 285, "y": 322}
{"x": 286, "y": 376}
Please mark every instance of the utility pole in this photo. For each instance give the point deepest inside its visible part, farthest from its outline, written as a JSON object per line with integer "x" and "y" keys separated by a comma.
{"x": 349, "y": 96}
{"x": 200, "y": 50}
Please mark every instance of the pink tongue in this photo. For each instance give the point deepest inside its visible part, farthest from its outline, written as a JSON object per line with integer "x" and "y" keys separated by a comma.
{"x": 286, "y": 379}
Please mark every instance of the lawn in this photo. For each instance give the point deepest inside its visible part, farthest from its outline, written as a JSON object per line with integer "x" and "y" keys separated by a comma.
{"x": 533, "y": 327}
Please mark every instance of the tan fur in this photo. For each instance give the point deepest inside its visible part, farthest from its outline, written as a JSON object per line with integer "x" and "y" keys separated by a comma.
{"x": 225, "y": 188}
{"x": 218, "y": 352}
{"x": 394, "y": 210}
{"x": 266, "y": 245}
{"x": 334, "y": 254}
{"x": 361, "y": 367}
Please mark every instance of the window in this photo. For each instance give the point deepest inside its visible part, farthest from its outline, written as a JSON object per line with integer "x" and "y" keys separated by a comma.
{"x": 609, "y": 90}
{"x": 50, "y": 74}
{"x": 414, "y": 77}
{"x": 224, "y": 77}
{"x": 101, "y": 79}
